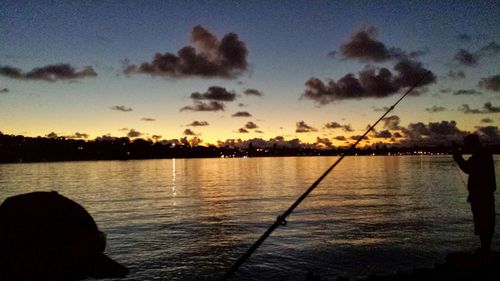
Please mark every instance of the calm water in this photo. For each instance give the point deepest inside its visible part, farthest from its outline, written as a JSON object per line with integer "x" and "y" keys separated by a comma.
{"x": 188, "y": 219}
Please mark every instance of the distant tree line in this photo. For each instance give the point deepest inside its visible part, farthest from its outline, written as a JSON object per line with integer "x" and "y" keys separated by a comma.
{"x": 15, "y": 149}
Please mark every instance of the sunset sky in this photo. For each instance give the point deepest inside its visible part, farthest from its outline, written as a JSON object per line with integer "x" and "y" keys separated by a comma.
{"x": 220, "y": 70}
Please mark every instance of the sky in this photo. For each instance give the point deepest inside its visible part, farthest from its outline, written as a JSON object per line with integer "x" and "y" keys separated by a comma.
{"x": 318, "y": 72}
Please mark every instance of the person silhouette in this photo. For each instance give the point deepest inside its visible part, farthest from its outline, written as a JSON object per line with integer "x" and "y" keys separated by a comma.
{"x": 481, "y": 185}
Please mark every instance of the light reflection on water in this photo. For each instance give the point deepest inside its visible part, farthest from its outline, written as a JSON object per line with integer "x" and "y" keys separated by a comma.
{"x": 188, "y": 219}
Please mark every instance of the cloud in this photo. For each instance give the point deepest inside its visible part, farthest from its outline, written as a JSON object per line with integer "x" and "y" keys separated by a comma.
{"x": 198, "y": 123}
{"x": 52, "y": 135}
{"x": 433, "y": 133}
{"x": 340, "y": 138}
{"x": 121, "y": 108}
{"x": 78, "y": 135}
{"x": 202, "y": 106}
{"x": 242, "y": 130}
{"x": 189, "y": 132}
{"x": 392, "y": 122}
{"x": 242, "y": 114}
{"x": 208, "y": 57}
{"x": 385, "y": 134}
{"x": 466, "y": 58}
{"x": 381, "y": 109}
{"x": 253, "y": 92}
{"x": 214, "y": 93}
{"x": 493, "y": 48}
{"x": 435, "y": 109}
{"x": 4, "y": 90}
{"x": 148, "y": 119}
{"x": 278, "y": 141}
{"x": 370, "y": 84}
{"x": 333, "y": 125}
{"x": 156, "y": 138}
{"x": 357, "y": 137}
{"x": 456, "y": 74}
{"x": 323, "y": 142}
{"x": 347, "y": 128}
{"x": 51, "y": 73}
{"x": 487, "y": 108}
{"x": 489, "y": 132}
{"x": 302, "y": 127}
{"x": 467, "y": 92}
{"x": 490, "y": 83}
{"x": 364, "y": 46}
{"x": 259, "y": 131}
{"x": 251, "y": 125}
{"x": 134, "y": 134}
{"x": 486, "y": 120}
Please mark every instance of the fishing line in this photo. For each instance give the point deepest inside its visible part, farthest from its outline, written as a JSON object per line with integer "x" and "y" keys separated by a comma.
{"x": 281, "y": 219}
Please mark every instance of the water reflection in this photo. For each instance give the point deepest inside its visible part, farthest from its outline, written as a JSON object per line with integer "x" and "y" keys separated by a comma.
{"x": 187, "y": 219}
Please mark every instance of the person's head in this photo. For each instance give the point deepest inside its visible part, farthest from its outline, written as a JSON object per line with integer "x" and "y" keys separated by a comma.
{"x": 472, "y": 144}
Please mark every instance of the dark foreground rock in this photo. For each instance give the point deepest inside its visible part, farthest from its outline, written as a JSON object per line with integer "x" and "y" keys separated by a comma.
{"x": 459, "y": 266}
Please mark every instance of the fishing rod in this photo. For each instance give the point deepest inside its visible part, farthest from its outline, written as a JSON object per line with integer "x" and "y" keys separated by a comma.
{"x": 281, "y": 219}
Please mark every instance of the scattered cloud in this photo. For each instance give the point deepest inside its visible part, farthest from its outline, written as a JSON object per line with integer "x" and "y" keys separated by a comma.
{"x": 491, "y": 49}
{"x": 385, "y": 134}
{"x": 78, "y": 135}
{"x": 467, "y": 92}
{"x": 323, "y": 142}
{"x": 357, "y": 137}
{"x": 490, "y": 83}
{"x": 50, "y": 73}
{"x": 302, "y": 127}
{"x": 208, "y": 57}
{"x": 242, "y": 114}
{"x": 392, "y": 122}
{"x": 433, "y": 133}
{"x": 253, "y": 92}
{"x": 148, "y": 119}
{"x": 214, "y": 93}
{"x": 333, "y": 125}
{"x": 435, "y": 109}
{"x": 259, "y": 131}
{"x": 487, "y": 108}
{"x": 202, "y": 106}
{"x": 134, "y": 134}
{"x": 489, "y": 132}
{"x": 251, "y": 125}
{"x": 242, "y": 130}
{"x": 466, "y": 58}
{"x": 340, "y": 138}
{"x": 487, "y": 120}
{"x": 347, "y": 128}
{"x": 4, "y": 90}
{"x": 121, "y": 108}
{"x": 198, "y": 123}
{"x": 464, "y": 37}
{"x": 370, "y": 84}
{"x": 52, "y": 135}
{"x": 189, "y": 132}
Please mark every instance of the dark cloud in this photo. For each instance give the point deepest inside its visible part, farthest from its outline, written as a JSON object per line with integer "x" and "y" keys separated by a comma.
{"x": 78, "y": 135}
{"x": 392, "y": 122}
{"x": 347, "y": 128}
{"x": 357, "y": 137}
{"x": 242, "y": 114}
{"x": 214, "y": 93}
{"x": 397, "y": 135}
{"x": 253, "y": 92}
{"x": 259, "y": 131}
{"x": 323, "y": 142}
{"x": 51, "y": 73}
{"x": 434, "y": 133}
{"x": 493, "y": 48}
{"x": 251, "y": 125}
{"x": 241, "y": 105}
{"x": 464, "y": 37}
{"x": 490, "y": 83}
{"x": 242, "y": 130}
{"x": 456, "y": 74}
{"x": 121, "y": 108}
{"x": 364, "y": 46}
{"x": 4, "y": 90}
{"x": 148, "y": 119}
{"x": 189, "y": 132}
{"x": 466, "y": 58}
{"x": 385, "y": 134}
{"x": 486, "y": 120}
{"x": 487, "y": 108}
{"x": 467, "y": 92}
{"x": 489, "y": 132}
{"x": 278, "y": 141}
{"x": 52, "y": 135}
{"x": 302, "y": 127}
{"x": 340, "y": 138}
{"x": 134, "y": 134}
{"x": 198, "y": 123}
{"x": 435, "y": 109}
{"x": 333, "y": 125}
{"x": 202, "y": 106}
{"x": 209, "y": 57}
{"x": 370, "y": 84}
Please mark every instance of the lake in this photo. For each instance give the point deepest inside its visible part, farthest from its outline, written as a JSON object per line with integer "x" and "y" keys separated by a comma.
{"x": 189, "y": 219}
